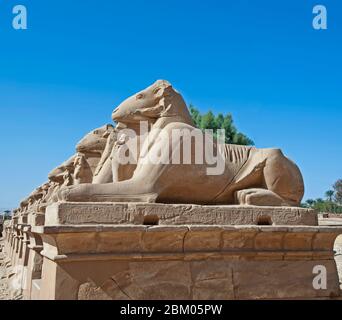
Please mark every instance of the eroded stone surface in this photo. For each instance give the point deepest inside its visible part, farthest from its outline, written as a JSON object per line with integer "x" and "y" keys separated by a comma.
{"x": 183, "y": 262}
{"x": 161, "y": 214}
{"x": 214, "y": 280}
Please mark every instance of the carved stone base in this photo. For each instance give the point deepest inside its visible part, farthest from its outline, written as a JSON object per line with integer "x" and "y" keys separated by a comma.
{"x": 177, "y": 214}
{"x": 155, "y": 251}
{"x": 186, "y": 262}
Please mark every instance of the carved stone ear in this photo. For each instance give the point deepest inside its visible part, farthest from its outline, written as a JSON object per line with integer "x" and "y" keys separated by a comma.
{"x": 158, "y": 92}
{"x": 106, "y": 134}
{"x": 108, "y": 129}
{"x": 166, "y": 107}
{"x": 153, "y": 112}
{"x": 166, "y": 111}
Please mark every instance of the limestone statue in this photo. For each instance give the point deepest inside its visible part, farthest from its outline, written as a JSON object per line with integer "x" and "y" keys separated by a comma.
{"x": 82, "y": 170}
{"x": 103, "y": 171}
{"x": 250, "y": 176}
{"x": 93, "y": 145}
{"x": 76, "y": 170}
{"x": 109, "y": 169}
{"x": 59, "y": 174}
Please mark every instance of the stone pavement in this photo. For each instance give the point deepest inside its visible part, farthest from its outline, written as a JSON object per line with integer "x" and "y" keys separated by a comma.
{"x": 4, "y": 294}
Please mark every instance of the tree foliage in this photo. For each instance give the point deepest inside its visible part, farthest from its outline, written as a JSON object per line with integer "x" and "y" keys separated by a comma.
{"x": 332, "y": 203}
{"x": 210, "y": 121}
{"x": 338, "y": 191}
{"x": 6, "y": 214}
{"x": 329, "y": 195}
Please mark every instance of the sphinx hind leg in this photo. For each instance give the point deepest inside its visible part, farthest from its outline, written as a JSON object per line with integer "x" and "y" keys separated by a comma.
{"x": 280, "y": 182}
{"x": 283, "y": 177}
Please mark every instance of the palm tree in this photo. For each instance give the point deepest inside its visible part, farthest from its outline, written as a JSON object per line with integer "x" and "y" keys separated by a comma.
{"x": 329, "y": 194}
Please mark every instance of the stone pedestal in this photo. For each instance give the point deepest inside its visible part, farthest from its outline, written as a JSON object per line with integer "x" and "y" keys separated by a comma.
{"x": 32, "y": 263}
{"x": 149, "y": 251}
{"x": 174, "y": 214}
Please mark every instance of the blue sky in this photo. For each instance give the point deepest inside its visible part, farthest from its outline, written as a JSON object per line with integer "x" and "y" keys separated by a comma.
{"x": 260, "y": 60}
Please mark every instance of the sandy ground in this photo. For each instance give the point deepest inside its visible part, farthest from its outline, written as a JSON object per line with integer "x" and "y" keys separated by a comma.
{"x": 4, "y": 294}
{"x": 3, "y": 278}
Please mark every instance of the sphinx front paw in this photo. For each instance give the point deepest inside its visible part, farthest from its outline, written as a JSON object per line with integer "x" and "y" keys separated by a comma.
{"x": 78, "y": 193}
{"x": 258, "y": 197}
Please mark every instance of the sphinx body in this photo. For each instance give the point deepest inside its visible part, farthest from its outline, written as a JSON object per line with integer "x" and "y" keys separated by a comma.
{"x": 250, "y": 176}
{"x": 79, "y": 168}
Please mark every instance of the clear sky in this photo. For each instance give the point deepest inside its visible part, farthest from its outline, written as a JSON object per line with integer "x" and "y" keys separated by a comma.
{"x": 260, "y": 60}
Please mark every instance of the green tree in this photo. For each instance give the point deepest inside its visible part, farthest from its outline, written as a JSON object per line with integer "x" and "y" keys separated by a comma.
{"x": 338, "y": 191}
{"x": 210, "y": 121}
{"x": 7, "y": 214}
{"x": 310, "y": 202}
{"x": 333, "y": 201}
{"x": 196, "y": 116}
{"x": 329, "y": 195}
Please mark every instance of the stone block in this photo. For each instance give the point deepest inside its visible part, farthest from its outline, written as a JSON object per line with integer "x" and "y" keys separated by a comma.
{"x": 269, "y": 241}
{"x": 235, "y": 240}
{"x": 202, "y": 239}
